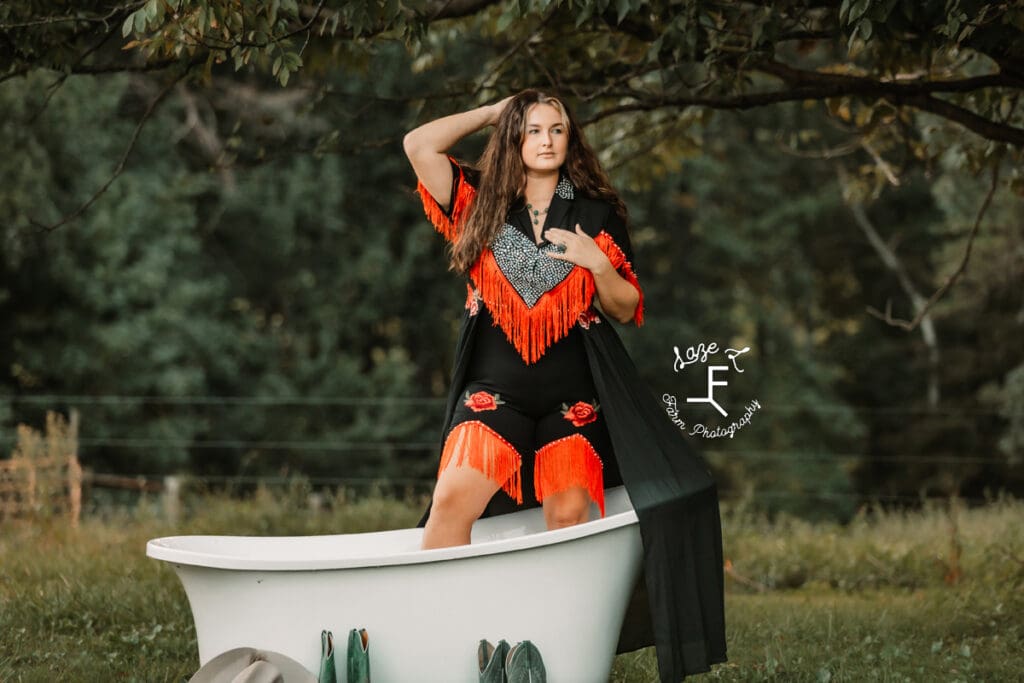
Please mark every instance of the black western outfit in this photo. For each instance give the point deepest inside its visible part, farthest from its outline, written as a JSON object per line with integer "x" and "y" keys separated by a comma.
{"x": 538, "y": 367}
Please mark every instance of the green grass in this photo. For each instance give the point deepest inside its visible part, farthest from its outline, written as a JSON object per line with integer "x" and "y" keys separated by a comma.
{"x": 876, "y": 600}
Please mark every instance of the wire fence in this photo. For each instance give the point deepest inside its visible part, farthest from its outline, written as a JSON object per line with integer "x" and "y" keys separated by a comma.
{"x": 343, "y": 446}
{"x": 154, "y": 482}
{"x": 392, "y": 401}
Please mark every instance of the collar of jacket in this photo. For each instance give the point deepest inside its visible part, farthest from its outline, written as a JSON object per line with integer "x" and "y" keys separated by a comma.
{"x": 561, "y": 202}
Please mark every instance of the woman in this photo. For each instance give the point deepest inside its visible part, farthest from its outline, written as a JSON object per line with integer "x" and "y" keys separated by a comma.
{"x": 530, "y": 425}
{"x": 546, "y": 407}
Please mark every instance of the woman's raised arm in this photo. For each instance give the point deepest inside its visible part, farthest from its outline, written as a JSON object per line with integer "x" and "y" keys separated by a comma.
{"x": 427, "y": 146}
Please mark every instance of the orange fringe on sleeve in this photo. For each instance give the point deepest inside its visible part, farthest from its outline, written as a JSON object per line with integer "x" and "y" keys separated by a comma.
{"x": 625, "y": 268}
{"x": 567, "y": 462}
{"x": 445, "y": 224}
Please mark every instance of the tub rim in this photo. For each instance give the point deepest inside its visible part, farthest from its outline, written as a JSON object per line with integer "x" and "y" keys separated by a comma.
{"x": 170, "y": 548}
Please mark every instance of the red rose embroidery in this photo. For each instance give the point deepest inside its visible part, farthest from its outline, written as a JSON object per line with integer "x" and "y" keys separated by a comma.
{"x": 482, "y": 400}
{"x": 588, "y": 316}
{"x": 472, "y": 301}
{"x": 581, "y": 413}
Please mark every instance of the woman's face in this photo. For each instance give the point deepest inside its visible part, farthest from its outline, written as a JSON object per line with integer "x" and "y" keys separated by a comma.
{"x": 546, "y": 139}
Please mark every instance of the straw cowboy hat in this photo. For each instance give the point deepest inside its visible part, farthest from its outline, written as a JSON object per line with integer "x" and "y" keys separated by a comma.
{"x": 249, "y": 665}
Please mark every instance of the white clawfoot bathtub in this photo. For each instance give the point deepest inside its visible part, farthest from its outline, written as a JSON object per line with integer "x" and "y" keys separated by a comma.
{"x": 566, "y": 590}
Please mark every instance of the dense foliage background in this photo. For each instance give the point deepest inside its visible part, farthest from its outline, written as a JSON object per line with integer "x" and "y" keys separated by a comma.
{"x": 211, "y": 247}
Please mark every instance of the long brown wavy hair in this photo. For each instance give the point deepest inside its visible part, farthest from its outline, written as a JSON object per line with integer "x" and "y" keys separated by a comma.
{"x": 503, "y": 175}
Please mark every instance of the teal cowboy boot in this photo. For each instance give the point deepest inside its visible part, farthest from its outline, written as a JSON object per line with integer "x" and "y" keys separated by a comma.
{"x": 491, "y": 661}
{"x": 358, "y": 656}
{"x": 524, "y": 665}
{"x": 328, "y": 674}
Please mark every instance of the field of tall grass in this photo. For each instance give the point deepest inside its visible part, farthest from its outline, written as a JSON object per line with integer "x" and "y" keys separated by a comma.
{"x": 931, "y": 595}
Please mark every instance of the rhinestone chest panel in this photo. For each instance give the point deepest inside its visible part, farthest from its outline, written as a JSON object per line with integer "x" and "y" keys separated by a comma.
{"x": 564, "y": 189}
{"x": 526, "y": 266}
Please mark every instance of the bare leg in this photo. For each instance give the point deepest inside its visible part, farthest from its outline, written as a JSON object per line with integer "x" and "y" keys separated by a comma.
{"x": 567, "y": 508}
{"x": 460, "y": 496}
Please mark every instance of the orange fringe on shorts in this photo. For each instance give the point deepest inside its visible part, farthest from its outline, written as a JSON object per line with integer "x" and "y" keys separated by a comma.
{"x": 475, "y": 444}
{"x": 567, "y": 462}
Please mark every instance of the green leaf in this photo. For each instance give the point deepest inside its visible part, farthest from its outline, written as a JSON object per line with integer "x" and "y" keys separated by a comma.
{"x": 585, "y": 13}
{"x": 857, "y": 11}
{"x": 504, "y": 21}
{"x": 844, "y": 9}
{"x": 851, "y": 40}
{"x": 623, "y": 9}
{"x": 1005, "y": 107}
{"x": 655, "y": 48}
{"x": 865, "y": 28}
{"x": 126, "y": 27}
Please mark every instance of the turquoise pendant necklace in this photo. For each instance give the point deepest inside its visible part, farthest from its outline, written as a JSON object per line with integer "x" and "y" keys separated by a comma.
{"x": 535, "y": 214}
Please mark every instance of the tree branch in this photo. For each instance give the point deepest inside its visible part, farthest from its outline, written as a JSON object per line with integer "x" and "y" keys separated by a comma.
{"x": 986, "y": 128}
{"x": 952, "y": 278}
{"x": 42, "y": 227}
{"x": 814, "y": 85}
{"x": 893, "y": 263}
{"x": 918, "y": 93}
{"x": 74, "y": 18}
{"x": 434, "y": 11}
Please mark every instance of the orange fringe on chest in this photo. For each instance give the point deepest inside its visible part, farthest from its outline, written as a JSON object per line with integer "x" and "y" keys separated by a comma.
{"x": 531, "y": 330}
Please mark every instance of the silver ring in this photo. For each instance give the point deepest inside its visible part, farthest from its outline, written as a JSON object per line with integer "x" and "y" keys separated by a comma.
{"x": 560, "y": 248}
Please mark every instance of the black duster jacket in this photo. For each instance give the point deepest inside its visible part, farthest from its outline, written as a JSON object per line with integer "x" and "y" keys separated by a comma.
{"x": 678, "y": 605}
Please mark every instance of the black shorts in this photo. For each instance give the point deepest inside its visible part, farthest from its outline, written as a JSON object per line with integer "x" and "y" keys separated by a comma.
{"x": 535, "y": 429}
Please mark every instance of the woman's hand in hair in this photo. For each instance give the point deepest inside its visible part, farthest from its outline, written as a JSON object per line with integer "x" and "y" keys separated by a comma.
{"x": 497, "y": 108}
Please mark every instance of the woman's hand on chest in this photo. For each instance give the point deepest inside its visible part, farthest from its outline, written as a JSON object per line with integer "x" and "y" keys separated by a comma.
{"x": 580, "y": 248}
{"x": 617, "y": 297}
